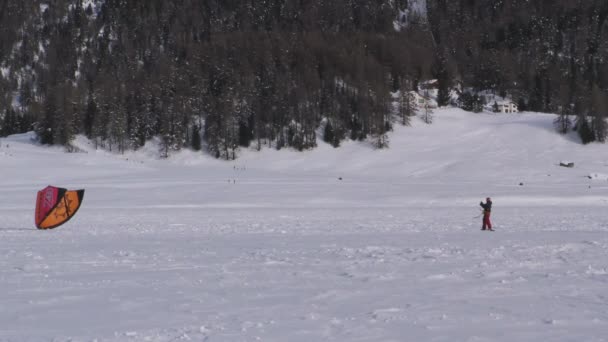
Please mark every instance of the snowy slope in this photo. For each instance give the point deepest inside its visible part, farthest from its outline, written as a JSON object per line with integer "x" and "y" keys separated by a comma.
{"x": 276, "y": 247}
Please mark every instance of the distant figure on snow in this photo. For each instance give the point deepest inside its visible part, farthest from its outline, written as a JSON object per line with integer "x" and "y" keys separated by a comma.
{"x": 487, "y": 209}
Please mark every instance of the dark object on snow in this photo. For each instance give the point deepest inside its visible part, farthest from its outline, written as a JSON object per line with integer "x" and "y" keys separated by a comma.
{"x": 566, "y": 164}
{"x": 521, "y": 184}
{"x": 340, "y": 178}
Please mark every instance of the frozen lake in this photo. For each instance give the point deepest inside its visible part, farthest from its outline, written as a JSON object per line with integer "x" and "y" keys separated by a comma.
{"x": 275, "y": 247}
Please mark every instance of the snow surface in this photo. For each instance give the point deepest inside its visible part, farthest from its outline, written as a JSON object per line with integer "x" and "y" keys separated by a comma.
{"x": 276, "y": 247}
{"x": 4, "y": 71}
{"x": 416, "y": 9}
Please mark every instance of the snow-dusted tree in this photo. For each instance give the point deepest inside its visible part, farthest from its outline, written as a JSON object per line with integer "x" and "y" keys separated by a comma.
{"x": 427, "y": 111}
{"x": 328, "y": 133}
{"x": 407, "y": 106}
{"x": 600, "y": 109}
{"x": 89, "y": 115}
{"x": 8, "y": 120}
{"x": 427, "y": 114}
{"x": 563, "y": 122}
{"x": 45, "y": 123}
{"x": 117, "y": 126}
{"x": 381, "y": 123}
{"x": 195, "y": 142}
{"x": 440, "y": 72}
{"x": 584, "y": 129}
{"x": 68, "y": 110}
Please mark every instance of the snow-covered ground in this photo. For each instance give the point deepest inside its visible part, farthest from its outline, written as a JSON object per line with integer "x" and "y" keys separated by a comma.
{"x": 276, "y": 247}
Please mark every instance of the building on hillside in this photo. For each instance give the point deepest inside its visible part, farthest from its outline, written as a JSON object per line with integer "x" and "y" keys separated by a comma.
{"x": 498, "y": 104}
{"x": 429, "y": 89}
{"x": 507, "y": 107}
{"x": 429, "y": 84}
{"x": 423, "y": 100}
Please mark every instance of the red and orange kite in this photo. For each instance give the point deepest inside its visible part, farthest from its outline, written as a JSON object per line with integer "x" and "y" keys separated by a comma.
{"x": 55, "y": 206}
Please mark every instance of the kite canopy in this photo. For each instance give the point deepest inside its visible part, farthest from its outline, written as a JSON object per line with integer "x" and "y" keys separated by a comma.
{"x": 55, "y": 206}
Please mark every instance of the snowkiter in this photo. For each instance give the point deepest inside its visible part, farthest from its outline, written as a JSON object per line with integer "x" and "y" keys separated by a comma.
{"x": 487, "y": 209}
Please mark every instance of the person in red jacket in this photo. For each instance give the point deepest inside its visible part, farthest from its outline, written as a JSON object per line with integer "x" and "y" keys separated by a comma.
{"x": 487, "y": 210}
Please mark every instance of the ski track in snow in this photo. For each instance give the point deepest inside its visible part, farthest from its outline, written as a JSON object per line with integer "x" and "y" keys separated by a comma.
{"x": 162, "y": 251}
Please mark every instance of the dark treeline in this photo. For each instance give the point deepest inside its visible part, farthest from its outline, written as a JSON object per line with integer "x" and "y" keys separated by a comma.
{"x": 550, "y": 56}
{"x": 219, "y": 75}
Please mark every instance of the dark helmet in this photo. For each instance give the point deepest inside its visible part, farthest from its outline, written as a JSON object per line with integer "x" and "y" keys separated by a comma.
{"x": 488, "y": 199}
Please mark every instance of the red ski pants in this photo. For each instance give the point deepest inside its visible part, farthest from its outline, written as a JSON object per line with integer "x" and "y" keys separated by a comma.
{"x": 486, "y": 221}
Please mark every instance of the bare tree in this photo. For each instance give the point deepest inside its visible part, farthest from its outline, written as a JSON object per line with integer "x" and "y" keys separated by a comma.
{"x": 427, "y": 111}
{"x": 566, "y": 108}
{"x": 407, "y": 106}
{"x": 427, "y": 114}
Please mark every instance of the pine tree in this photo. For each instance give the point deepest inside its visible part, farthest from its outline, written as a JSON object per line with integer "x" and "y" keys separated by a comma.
{"x": 495, "y": 107}
{"x": 44, "y": 125}
{"x": 407, "y": 106}
{"x": 90, "y": 113}
{"x": 328, "y": 133}
{"x": 600, "y": 109}
{"x": 584, "y": 130}
{"x": 8, "y": 122}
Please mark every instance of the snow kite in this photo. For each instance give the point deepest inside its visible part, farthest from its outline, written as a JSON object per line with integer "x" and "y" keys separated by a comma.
{"x": 55, "y": 206}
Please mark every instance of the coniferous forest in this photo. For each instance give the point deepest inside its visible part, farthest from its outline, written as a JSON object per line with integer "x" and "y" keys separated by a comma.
{"x": 220, "y": 75}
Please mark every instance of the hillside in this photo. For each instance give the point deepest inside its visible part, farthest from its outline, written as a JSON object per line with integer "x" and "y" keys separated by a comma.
{"x": 218, "y": 76}
{"x": 490, "y": 153}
